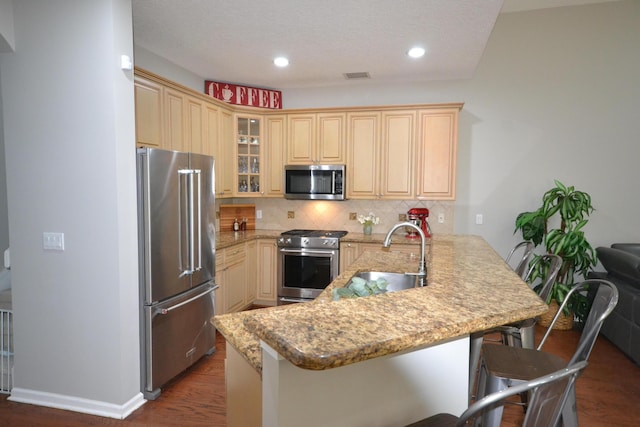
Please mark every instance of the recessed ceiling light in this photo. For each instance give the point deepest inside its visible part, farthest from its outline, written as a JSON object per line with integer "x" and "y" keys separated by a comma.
{"x": 416, "y": 52}
{"x": 281, "y": 61}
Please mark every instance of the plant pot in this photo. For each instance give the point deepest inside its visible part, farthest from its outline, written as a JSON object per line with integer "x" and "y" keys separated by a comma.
{"x": 564, "y": 322}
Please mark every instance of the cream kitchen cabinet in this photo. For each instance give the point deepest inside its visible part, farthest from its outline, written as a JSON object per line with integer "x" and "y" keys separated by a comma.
{"x": 149, "y": 112}
{"x": 437, "y": 153}
{"x": 252, "y": 271}
{"x": 381, "y": 155}
{"x": 349, "y": 251}
{"x": 225, "y": 155}
{"x": 184, "y": 122}
{"x": 248, "y": 142}
{"x": 394, "y": 152}
{"x": 194, "y": 125}
{"x": 174, "y": 121}
{"x": 398, "y": 155}
{"x": 274, "y": 155}
{"x": 220, "y": 307}
{"x": 231, "y": 275}
{"x": 316, "y": 138}
{"x": 211, "y": 132}
{"x": 363, "y": 136}
{"x": 267, "y": 261}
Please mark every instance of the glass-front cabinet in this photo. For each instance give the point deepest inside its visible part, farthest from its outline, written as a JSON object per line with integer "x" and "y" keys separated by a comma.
{"x": 249, "y": 155}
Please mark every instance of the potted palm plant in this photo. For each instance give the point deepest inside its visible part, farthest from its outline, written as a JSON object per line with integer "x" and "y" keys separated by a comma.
{"x": 558, "y": 225}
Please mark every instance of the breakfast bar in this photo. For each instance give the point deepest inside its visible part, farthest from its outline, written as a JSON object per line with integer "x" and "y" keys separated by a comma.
{"x": 379, "y": 360}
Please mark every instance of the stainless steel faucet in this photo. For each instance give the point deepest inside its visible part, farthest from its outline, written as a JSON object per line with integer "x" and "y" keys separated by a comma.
{"x": 422, "y": 271}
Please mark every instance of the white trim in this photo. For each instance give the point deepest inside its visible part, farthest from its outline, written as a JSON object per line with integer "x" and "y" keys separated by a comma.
{"x": 77, "y": 404}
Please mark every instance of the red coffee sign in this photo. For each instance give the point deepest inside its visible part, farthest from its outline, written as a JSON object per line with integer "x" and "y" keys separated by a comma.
{"x": 244, "y": 95}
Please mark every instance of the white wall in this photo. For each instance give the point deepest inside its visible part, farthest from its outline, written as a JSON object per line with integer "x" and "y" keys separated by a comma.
{"x": 554, "y": 97}
{"x": 6, "y": 45}
{"x": 69, "y": 139}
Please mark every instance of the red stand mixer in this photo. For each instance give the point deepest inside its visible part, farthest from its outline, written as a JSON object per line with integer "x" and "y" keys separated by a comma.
{"x": 418, "y": 216}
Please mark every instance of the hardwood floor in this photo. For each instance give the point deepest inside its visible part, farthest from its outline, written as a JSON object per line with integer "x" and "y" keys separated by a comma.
{"x": 608, "y": 395}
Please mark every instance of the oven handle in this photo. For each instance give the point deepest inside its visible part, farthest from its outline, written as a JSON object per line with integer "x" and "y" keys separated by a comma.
{"x": 306, "y": 251}
{"x": 285, "y": 299}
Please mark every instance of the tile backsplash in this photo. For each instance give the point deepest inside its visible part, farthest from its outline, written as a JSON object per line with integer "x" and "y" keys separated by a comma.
{"x": 334, "y": 215}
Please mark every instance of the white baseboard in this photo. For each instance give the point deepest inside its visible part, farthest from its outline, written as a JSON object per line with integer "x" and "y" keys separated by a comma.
{"x": 77, "y": 404}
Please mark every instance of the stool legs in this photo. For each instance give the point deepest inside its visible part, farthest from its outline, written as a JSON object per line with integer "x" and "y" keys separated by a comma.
{"x": 475, "y": 345}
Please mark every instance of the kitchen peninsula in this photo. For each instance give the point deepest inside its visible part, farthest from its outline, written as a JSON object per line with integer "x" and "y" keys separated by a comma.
{"x": 381, "y": 360}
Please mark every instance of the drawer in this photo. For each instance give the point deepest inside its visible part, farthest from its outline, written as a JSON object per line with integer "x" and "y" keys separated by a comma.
{"x": 235, "y": 254}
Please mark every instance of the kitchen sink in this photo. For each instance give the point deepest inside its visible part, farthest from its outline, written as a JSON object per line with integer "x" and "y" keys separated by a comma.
{"x": 395, "y": 281}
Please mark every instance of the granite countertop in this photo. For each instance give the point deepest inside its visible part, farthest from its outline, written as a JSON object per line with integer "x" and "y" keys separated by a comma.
{"x": 232, "y": 326}
{"x": 470, "y": 289}
{"x": 225, "y": 239}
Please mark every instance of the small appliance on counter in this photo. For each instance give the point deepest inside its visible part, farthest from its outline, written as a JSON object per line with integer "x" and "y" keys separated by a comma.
{"x": 418, "y": 216}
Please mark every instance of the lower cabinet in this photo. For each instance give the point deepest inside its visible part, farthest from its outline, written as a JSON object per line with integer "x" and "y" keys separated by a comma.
{"x": 246, "y": 273}
{"x": 266, "y": 277}
{"x": 231, "y": 275}
{"x": 220, "y": 281}
{"x": 252, "y": 272}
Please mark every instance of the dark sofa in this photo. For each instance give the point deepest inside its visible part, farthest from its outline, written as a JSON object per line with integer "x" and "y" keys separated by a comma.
{"x": 622, "y": 264}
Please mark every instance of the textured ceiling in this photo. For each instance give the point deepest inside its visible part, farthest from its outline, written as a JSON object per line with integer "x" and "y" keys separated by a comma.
{"x": 236, "y": 40}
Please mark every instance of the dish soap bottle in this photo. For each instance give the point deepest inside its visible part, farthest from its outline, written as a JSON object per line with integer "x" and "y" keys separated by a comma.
{"x": 236, "y": 226}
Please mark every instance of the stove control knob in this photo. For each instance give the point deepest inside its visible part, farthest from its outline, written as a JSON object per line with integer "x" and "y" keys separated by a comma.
{"x": 326, "y": 242}
{"x": 281, "y": 240}
{"x": 305, "y": 241}
{"x": 288, "y": 240}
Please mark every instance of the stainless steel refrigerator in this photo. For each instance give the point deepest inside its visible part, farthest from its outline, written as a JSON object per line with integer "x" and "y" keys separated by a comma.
{"x": 176, "y": 232}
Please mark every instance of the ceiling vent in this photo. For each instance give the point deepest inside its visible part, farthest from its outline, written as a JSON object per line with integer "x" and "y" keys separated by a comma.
{"x": 357, "y": 76}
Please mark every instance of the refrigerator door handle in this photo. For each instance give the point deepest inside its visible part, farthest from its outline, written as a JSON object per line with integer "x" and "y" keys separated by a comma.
{"x": 191, "y": 222}
{"x": 183, "y": 216}
{"x": 196, "y": 231}
{"x": 166, "y": 310}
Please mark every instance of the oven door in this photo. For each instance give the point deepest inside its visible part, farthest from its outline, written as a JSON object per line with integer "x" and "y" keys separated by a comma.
{"x": 304, "y": 273}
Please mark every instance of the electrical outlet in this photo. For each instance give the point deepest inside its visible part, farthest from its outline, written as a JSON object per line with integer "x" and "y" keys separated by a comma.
{"x": 291, "y": 214}
{"x": 441, "y": 218}
{"x": 53, "y": 241}
{"x": 479, "y": 219}
{"x": 259, "y": 214}
{"x": 353, "y": 216}
{"x": 402, "y": 217}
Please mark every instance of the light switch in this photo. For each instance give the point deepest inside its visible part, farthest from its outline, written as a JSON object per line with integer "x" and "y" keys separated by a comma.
{"x": 53, "y": 241}
{"x": 479, "y": 219}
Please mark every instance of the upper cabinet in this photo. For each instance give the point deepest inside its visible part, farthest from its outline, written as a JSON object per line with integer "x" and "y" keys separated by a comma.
{"x": 402, "y": 154}
{"x": 149, "y": 102}
{"x": 275, "y": 134}
{"x": 390, "y": 152}
{"x": 437, "y": 152}
{"x": 398, "y": 155}
{"x": 363, "y": 135}
{"x": 316, "y": 138}
{"x": 225, "y": 155}
{"x": 248, "y": 155}
{"x": 174, "y": 120}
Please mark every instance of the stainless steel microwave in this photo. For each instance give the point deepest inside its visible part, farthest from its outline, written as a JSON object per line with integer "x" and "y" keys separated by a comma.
{"x": 314, "y": 182}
